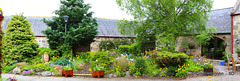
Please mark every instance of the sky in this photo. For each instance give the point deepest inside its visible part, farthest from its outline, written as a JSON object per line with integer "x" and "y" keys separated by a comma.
{"x": 101, "y": 8}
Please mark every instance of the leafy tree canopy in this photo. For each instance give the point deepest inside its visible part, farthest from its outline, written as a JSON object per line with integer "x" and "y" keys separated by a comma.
{"x": 81, "y": 27}
{"x": 164, "y": 20}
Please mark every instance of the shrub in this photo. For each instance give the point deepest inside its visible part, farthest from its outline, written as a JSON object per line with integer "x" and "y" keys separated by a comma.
{"x": 140, "y": 65}
{"x": 152, "y": 68}
{"x": 121, "y": 65}
{"x": 123, "y": 48}
{"x": 135, "y": 49}
{"x": 165, "y": 58}
{"x": 182, "y": 72}
{"x": 100, "y": 58}
{"x": 193, "y": 66}
{"x": 64, "y": 62}
{"x": 19, "y": 42}
{"x": 172, "y": 71}
{"x": 9, "y": 68}
{"x": 109, "y": 44}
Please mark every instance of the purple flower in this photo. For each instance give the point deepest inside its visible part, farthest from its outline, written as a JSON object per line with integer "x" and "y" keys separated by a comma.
{"x": 52, "y": 64}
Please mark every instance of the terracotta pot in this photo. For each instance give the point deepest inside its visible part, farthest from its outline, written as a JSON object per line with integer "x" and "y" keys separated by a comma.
{"x": 98, "y": 73}
{"x": 67, "y": 72}
{"x": 46, "y": 57}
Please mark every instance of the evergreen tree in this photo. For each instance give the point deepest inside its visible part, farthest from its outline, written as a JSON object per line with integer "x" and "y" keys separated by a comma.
{"x": 19, "y": 42}
{"x": 81, "y": 27}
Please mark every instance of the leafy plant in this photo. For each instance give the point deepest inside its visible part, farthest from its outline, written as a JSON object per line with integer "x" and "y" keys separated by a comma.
{"x": 181, "y": 72}
{"x": 225, "y": 57}
{"x": 68, "y": 67}
{"x": 172, "y": 71}
{"x": 165, "y": 58}
{"x": 63, "y": 62}
{"x": 140, "y": 65}
{"x": 9, "y": 68}
{"x": 98, "y": 68}
{"x": 101, "y": 58}
{"x": 123, "y": 48}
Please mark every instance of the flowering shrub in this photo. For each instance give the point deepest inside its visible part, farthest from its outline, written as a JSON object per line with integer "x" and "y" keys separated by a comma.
{"x": 29, "y": 72}
{"x": 182, "y": 72}
{"x": 203, "y": 62}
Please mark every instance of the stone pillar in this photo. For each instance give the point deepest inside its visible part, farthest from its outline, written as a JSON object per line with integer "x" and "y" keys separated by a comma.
{"x": 1, "y": 18}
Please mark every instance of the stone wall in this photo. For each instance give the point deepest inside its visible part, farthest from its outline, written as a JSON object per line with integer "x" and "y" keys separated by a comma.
{"x": 42, "y": 41}
{"x": 198, "y": 49}
{"x": 236, "y": 32}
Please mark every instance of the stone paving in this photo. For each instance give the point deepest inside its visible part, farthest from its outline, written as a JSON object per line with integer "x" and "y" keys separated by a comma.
{"x": 218, "y": 67}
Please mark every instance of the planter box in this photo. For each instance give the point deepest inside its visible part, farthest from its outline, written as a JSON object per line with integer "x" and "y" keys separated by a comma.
{"x": 67, "y": 72}
{"x": 208, "y": 71}
{"x": 98, "y": 73}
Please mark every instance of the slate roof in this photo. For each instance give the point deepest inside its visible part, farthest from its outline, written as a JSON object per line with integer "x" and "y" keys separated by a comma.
{"x": 220, "y": 19}
{"x": 106, "y": 27}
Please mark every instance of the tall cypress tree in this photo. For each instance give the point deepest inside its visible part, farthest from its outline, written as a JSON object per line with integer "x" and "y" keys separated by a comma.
{"x": 19, "y": 42}
{"x": 81, "y": 27}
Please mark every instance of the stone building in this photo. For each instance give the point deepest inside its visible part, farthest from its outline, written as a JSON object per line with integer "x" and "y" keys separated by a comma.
{"x": 226, "y": 20}
{"x": 107, "y": 30}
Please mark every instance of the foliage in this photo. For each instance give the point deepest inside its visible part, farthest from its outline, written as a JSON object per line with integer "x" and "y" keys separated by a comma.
{"x": 165, "y": 58}
{"x": 9, "y": 68}
{"x": 203, "y": 62}
{"x": 182, "y": 72}
{"x": 132, "y": 69}
{"x": 172, "y": 71}
{"x": 113, "y": 44}
{"x": 19, "y": 42}
{"x": 64, "y": 62}
{"x": 152, "y": 68}
{"x": 67, "y": 67}
{"x": 164, "y": 72}
{"x": 123, "y": 48}
{"x": 98, "y": 68}
{"x": 101, "y": 58}
{"x": 50, "y": 52}
{"x": 135, "y": 49}
{"x": 27, "y": 73}
{"x": 225, "y": 57}
{"x": 140, "y": 64}
{"x": 121, "y": 65}
{"x": 193, "y": 66}
{"x": 64, "y": 49}
{"x": 238, "y": 52}
{"x": 164, "y": 20}
{"x": 81, "y": 27}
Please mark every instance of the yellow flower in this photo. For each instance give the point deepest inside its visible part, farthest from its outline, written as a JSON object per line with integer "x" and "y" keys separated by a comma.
{"x": 57, "y": 56}
{"x": 209, "y": 76}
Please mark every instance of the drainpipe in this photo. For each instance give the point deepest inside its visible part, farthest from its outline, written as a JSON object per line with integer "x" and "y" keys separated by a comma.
{"x": 232, "y": 34}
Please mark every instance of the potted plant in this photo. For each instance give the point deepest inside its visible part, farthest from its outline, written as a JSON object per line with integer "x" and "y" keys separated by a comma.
{"x": 98, "y": 71}
{"x": 208, "y": 68}
{"x": 67, "y": 70}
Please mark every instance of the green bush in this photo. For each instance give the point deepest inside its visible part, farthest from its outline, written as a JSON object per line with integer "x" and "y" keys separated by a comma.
{"x": 101, "y": 58}
{"x": 140, "y": 64}
{"x": 64, "y": 62}
{"x": 165, "y": 58}
{"x": 135, "y": 49}
{"x": 121, "y": 65}
{"x": 19, "y": 41}
{"x": 123, "y": 48}
{"x": 109, "y": 44}
{"x": 172, "y": 71}
{"x": 193, "y": 66}
{"x": 9, "y": 68}
{"x": 152, "y": 68}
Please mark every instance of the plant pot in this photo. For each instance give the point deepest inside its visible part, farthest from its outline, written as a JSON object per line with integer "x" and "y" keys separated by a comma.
{"x": 222, "y": 63}
{"x": 208, "y": 71}
{"x": 67, "y": 72}
{"x": 98, "y": 73}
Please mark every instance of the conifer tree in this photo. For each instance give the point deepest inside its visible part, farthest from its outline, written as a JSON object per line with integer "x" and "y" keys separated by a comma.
{"x": 81, "y": 26}
{"x": 19, "y": 42}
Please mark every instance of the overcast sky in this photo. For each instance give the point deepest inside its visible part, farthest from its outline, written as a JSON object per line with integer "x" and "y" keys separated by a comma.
{"x": 102, "y": 8}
